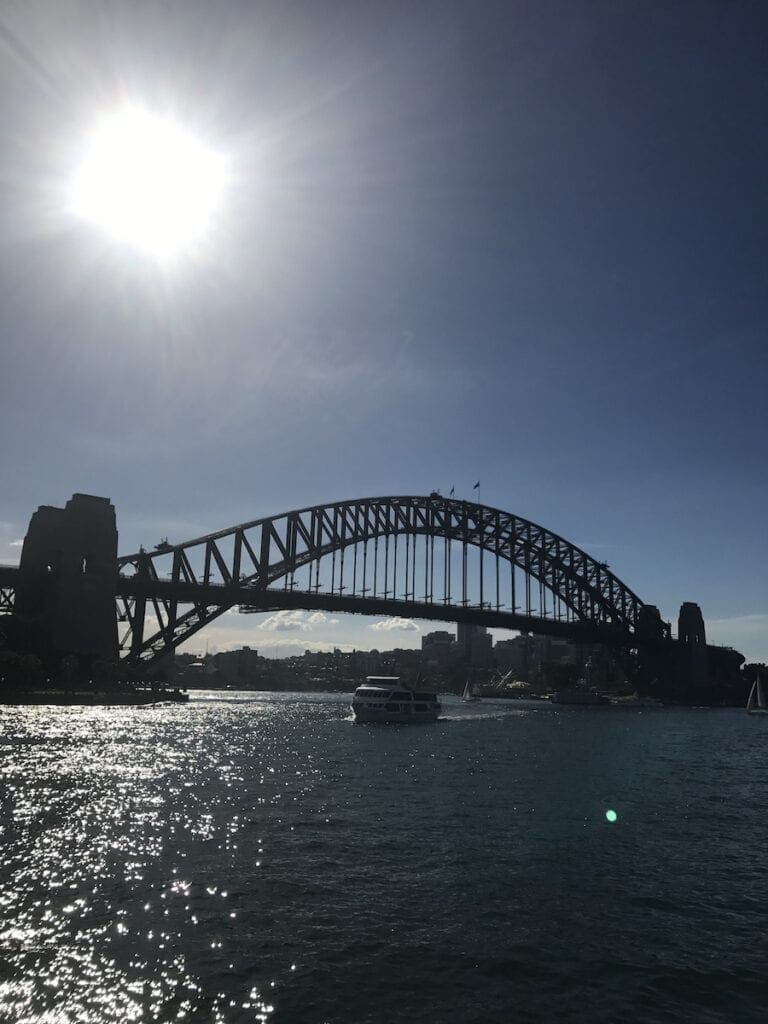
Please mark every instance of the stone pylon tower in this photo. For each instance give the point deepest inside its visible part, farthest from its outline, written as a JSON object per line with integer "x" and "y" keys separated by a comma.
{"x": 66, "y": 604}
{"x": 692, "y": 639}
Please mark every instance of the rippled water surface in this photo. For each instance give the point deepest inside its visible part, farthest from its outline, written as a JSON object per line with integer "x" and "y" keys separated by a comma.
{"x": 257, "y": 857}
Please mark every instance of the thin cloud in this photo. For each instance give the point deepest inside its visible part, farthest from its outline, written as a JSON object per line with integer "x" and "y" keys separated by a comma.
{"x": 396, "y": 624}
{"x": 320, "y": 617}
{"x": 747, "y": 633}
{"x": 290, "y": 621}
{"x": 291, "y": 647}
{"x": 283, "y": 621}
{"x": 275, "y": 647}
{"x": 756, "y": 619}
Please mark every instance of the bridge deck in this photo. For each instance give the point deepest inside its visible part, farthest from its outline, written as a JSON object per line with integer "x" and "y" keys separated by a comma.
{"x": 253, "y": 600}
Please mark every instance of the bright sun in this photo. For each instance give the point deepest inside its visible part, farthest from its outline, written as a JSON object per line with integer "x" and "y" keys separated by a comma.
{"x": 147, "y": 182}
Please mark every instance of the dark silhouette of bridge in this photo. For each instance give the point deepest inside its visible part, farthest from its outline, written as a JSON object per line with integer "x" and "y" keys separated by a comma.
{"x": 425, "y": 557}
{"x": 428, "y": 557}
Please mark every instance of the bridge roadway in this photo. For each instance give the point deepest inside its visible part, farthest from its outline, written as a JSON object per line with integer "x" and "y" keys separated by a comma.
{"x": 271, "y": 599}
{"x": 256, "y": 600}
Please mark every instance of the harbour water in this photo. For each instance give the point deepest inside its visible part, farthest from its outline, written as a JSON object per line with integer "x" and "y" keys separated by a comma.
{"x": 258, "y": 857}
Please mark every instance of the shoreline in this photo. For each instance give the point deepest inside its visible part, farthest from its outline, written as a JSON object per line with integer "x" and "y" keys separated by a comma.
{"x": 91, "y": 698}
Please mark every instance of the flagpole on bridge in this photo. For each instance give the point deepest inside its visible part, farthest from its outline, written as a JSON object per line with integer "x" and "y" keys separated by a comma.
{"x": 477, "y": 488}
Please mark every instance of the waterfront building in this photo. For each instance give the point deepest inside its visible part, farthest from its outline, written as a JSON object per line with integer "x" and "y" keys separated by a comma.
{"x": 529, "y": 656}
{"x": 439, "y": 649}
{"x": 242, "y": 665}
{"x": 475, "y": 645}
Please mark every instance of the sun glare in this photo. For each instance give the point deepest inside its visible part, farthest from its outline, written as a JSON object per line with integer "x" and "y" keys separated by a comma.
{"x": 147, "y": 182}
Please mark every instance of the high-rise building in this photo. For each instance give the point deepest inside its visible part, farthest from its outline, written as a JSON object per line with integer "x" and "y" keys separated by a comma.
{"x": 475, "y": 645}
{"x": 439, "y": 648}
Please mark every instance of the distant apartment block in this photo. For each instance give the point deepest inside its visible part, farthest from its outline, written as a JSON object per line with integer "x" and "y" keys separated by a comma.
{"x": 475, "y": 645}
{"x": 439, "y": 649}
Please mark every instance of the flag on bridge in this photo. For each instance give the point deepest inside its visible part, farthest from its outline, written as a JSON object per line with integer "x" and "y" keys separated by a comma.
{"x": 476, "y": 486}
{"x": 451, "y": 494}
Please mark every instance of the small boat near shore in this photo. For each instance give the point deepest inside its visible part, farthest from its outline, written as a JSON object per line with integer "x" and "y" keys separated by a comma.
{"x": 756, "y": 701}
{"x": 469, "y": 695}
{"x": 384, "y": 699}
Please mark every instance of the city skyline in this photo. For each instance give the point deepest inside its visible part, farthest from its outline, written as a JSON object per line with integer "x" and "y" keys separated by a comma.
{"x": 509, "y": 244}
{"x": 316, "y": 631}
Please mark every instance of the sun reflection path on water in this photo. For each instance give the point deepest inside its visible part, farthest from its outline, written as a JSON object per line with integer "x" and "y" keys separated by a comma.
{"x": 100, "y": 809}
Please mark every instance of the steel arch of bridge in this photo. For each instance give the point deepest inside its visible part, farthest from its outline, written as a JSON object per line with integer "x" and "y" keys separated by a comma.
{"x": 168, "y": 594}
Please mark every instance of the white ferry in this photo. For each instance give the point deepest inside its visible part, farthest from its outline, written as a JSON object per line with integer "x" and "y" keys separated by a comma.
{"x": 386, "y": 699}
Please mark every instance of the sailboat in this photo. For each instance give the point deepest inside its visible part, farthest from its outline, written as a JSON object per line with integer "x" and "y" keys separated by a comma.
{"x": 756, "y": 702}
{"x": 468, "y": 694}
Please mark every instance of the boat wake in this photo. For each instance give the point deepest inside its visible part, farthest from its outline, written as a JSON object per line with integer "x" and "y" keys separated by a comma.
{"x": 478, "y": 716}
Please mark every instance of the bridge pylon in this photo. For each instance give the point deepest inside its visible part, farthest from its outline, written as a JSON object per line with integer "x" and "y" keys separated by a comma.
{"x": 67, "y": 581}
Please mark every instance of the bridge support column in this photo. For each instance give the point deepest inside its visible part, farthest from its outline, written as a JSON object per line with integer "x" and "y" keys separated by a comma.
{"x": 65, "y": 601}
{"x": 692, "y": 661}
{"x": 137, "y": 627}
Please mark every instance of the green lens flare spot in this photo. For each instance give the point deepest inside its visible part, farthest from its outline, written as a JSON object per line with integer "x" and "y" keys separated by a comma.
{"x": 611, "y": 815}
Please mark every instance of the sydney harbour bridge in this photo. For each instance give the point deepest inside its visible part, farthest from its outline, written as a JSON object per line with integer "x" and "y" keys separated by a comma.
{"x": 428, "y": 557}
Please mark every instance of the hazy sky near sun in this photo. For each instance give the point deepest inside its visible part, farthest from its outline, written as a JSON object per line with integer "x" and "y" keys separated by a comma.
{"x": 520, "y": 242}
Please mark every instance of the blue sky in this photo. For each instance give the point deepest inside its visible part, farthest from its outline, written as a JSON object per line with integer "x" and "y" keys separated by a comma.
{"x": 517, "y": 242}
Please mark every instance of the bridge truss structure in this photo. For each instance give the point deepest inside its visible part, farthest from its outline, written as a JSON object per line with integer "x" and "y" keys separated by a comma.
{"x": 430, "y": 557}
